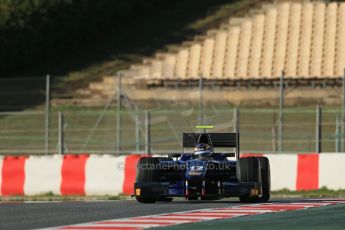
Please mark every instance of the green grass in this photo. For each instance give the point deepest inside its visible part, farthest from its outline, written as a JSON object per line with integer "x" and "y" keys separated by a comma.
{"x": 323, "y": 192}
{"x": 52, "y": 197}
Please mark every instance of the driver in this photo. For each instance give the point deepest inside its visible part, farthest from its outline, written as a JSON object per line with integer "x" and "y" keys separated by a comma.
{"x": 203, "y": 150}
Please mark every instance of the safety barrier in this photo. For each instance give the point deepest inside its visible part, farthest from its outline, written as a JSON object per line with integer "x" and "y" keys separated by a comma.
{"x": 13, "y": 175}
{"x": 104, "y": 174}
{"x": 309, "y": 171}
{"x": 86, "y": 174}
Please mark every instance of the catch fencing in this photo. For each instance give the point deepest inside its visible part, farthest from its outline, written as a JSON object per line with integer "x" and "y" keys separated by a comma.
{"x": 96, "y": 131}
{"x": 31, "y": 122}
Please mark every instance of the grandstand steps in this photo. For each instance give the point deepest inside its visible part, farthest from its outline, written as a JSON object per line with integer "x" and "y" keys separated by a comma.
{"x": 146, "y": 61}
{"x": 239, "y": 93}
{"x": 199, "y": 38}
{"x": 160, "y": 55}
{"x": 305, "y": 39}
{"x": 88, "y": 102}
{"x": 225, "y": 27}
{"x": 340, "y": 41}
{"x": 245, "y": 83}
{"x": 83, "y": 92}
{"x": 269, "y": 6}
{"x": 109, "y": 80}
{"x": 300, "y": 37}
{"x": 211, "y": 32}
{"x": 235, "y": 21}
{"x": 101, "y": 86}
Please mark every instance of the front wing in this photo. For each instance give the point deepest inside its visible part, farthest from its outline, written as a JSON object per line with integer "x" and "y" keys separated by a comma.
{"x": 225, "y": 189}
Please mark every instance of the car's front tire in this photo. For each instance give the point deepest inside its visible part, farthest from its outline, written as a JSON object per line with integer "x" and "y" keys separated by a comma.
{"x": 248, "y": 170}
{"x": 265, "y": 179}
{"x": 147, "y": 172}
{"x": 255, "y": 169}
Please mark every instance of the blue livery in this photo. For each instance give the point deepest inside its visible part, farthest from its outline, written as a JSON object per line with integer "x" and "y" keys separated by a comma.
{"x": 203, "y": 174}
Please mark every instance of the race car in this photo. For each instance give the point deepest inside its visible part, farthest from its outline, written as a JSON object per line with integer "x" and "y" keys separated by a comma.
{"x": 203, "y": 173}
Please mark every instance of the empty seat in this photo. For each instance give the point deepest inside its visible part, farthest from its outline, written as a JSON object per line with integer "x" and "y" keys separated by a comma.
{"x": 169, "y": 65}
{"x": 329, "y": 40}
{"x": 244, "y": 49}
{"x": 231, "y": 52}
{"x": 156, "y": 69}
{"x": 281, "y": 39}
{"x": 256, "y": 46}
{"x": 219, "y": 54}
{"x": 293, "y": 40}
{"x": 142, "y": 72}
{"x": 206, "y": 57}
{"x": 194, "y": 60}
{"x": 340, "y": 47}
{"x": 305, "y": 40}
{"x": 317, "y": 40}
{"x": 268, "y": 43}
{"x": 181, "y": 63}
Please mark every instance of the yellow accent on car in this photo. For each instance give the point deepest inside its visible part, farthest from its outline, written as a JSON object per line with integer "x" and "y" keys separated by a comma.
{"x": 204, "y": 127}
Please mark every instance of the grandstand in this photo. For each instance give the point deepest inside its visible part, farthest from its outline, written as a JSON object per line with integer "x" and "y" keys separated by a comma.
{"x": 307, "y": 40}
{"x": 304, "y": 39}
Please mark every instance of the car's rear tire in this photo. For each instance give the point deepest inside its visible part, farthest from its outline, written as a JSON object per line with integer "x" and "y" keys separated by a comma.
{"x": 248, "y": 170}
{"x": 147, "y": 172}
{"x": 265, "y": 178}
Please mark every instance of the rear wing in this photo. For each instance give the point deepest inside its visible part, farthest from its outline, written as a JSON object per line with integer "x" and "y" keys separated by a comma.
{"x": 225, "y": 140}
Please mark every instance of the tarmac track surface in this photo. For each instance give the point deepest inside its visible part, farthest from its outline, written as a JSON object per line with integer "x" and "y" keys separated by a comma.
{"x": 33, "y": 215}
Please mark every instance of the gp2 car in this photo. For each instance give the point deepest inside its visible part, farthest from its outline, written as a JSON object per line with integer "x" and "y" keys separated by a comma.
{"x": 203, "y": 174}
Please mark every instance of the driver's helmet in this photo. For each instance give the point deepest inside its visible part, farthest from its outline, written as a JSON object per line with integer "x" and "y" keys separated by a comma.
{"x": 203, "y": 150}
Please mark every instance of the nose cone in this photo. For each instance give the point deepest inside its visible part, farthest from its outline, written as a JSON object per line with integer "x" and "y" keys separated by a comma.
{"x": 196, "y": 169}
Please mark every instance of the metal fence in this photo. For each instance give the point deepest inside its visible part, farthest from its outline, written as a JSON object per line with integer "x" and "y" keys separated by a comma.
{"x": 40, "y": 127}
{"x": 95, "y": 131}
